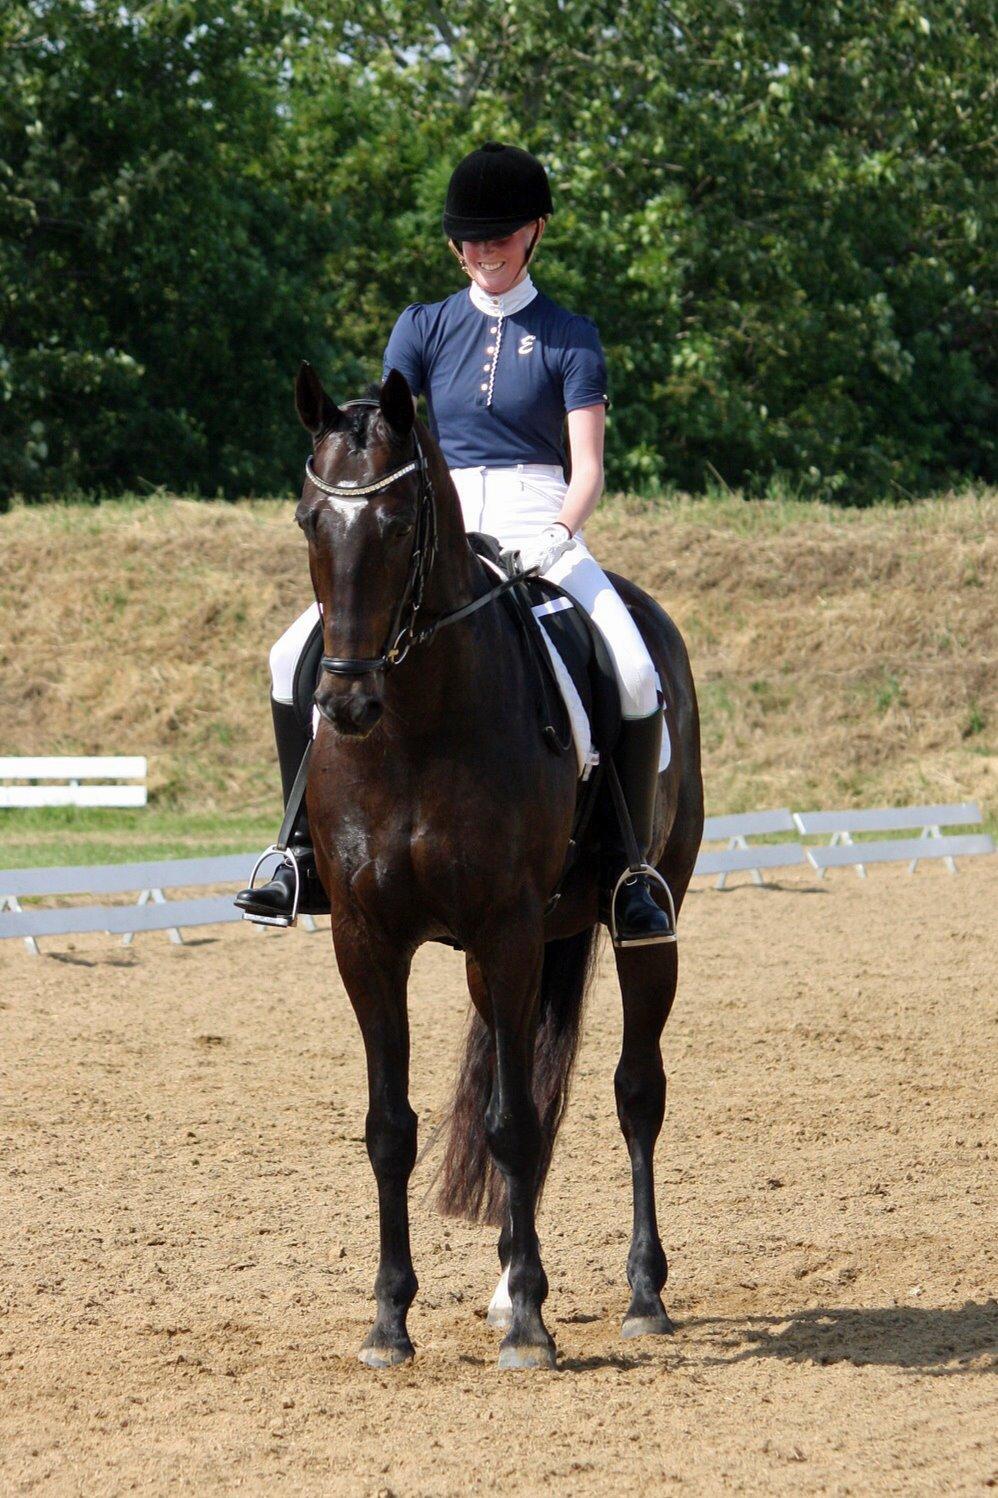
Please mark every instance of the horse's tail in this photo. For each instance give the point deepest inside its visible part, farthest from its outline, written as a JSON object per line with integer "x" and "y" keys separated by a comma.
{"x": 472, "y": 1187}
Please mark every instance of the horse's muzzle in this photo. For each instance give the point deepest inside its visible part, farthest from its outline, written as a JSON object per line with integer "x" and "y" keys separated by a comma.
{"x": 353, "y": 712}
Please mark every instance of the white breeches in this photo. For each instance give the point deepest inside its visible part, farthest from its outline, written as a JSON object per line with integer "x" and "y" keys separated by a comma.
{"x": 513, "y": 504}
{"x": 284, "y": 654}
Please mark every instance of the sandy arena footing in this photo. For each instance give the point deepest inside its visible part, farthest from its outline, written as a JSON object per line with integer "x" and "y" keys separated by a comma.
{"x": 188, "y": 1230}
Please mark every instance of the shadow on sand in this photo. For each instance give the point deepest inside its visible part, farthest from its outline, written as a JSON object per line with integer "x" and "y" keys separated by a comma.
{"x": 959, "y": 1339}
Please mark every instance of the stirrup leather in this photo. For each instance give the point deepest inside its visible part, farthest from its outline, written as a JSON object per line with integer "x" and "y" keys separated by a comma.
{"x": 642, "y": 941}
{"x": 286, "y": 857}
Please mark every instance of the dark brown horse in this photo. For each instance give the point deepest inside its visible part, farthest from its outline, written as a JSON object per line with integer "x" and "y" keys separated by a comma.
{"x": 438, "y": 812}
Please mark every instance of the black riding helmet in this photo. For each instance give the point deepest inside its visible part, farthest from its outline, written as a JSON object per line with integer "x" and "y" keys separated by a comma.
{"x": 493, "y": 191}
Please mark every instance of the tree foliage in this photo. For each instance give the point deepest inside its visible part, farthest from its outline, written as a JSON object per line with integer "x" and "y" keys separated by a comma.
{"x": 780, "y": 216}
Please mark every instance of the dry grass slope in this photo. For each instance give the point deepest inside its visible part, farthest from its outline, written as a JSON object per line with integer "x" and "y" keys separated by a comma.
{"x": 842, "y": 657}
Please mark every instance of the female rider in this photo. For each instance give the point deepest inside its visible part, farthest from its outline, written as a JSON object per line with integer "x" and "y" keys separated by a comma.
{"x": 501, "y": 365}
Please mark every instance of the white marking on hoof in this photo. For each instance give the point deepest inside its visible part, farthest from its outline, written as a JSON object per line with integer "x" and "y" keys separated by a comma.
{"x": 647, "y": 1326}
{"x": 385, "y": 1357}
{"x": 500, "y": 1311}
{"x": 527, "y": 1357}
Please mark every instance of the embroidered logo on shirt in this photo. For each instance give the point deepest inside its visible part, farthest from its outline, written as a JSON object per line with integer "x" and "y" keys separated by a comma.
{"x": 526, "y": 343}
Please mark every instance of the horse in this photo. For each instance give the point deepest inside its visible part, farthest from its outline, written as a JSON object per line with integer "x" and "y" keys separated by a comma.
{"x": 438, "y": 813}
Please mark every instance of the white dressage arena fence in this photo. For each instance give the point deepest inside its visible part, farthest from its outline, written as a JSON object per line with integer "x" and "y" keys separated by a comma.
{"x": 737, "y": 829}
{"x": 72, "y": 780}
{"x": 154, "y": 911}
{"x": 929, "y": 819}
{"x": 841, "y": 851}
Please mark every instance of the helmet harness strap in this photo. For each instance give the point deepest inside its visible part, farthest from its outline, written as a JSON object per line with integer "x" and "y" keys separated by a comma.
{"x": 456, "y": 250}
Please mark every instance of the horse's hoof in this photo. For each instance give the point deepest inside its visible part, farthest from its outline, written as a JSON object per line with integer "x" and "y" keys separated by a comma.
{"x": 501, "y": 1317}
{"x": 387, "y": 1357}
{"x": 527, "y": 1357}
{"x": 659, "y": 1325}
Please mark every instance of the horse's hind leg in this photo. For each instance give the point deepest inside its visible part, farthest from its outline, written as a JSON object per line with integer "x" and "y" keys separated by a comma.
{"x": 500, "y": 1309}
{"x": 648, "y": 985}
{"x": 376, "y": 983}
{"x": 510, "y": 968}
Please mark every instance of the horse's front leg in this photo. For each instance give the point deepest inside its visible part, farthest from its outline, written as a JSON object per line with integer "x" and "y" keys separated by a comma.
{"x": 506, "y": 990}
{"x": 375, "y": 977}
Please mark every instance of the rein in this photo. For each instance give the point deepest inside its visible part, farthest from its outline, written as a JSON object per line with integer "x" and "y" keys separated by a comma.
{"x": 403, "y": 633}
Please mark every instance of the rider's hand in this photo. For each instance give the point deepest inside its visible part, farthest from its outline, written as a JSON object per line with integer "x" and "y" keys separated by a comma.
{"x": 541, "y": 552}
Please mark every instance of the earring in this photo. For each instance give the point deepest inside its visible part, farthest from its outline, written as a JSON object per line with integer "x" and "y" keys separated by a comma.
{"x": 459, "y": 257}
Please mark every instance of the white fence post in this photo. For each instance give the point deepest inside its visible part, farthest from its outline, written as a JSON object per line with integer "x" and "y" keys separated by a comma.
{"x": 11, "y": 903}
{"x": 932, "y": 832}
{"x": 158, "y": 898}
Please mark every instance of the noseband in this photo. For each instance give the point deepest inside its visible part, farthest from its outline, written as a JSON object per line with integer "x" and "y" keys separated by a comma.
{"x": 403, "y": 633}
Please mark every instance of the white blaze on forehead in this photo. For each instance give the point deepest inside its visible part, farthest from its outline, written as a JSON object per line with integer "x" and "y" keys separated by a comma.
{"x": 347, "y": 509}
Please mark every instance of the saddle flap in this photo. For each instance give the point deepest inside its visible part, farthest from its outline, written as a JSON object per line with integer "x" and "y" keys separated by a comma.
{"x": 576, "y": 639}
{"x": 306, "y": 679}
{"x": 585, "y": 655}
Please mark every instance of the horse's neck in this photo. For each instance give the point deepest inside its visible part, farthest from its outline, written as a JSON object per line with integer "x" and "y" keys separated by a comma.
{"x": 437, "y": 679}
{"x": 455, "y": 576}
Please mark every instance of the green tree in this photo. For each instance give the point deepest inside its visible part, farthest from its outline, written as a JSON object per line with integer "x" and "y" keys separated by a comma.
{"x": 781, "y": 217}
{"x": 157, "y": 288}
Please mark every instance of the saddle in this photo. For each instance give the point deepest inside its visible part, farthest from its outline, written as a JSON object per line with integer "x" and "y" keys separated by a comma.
{"x": 540, "y": 608}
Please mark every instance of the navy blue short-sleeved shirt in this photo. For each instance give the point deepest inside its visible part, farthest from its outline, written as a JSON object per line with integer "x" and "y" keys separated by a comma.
{"x": 497, "y": 387}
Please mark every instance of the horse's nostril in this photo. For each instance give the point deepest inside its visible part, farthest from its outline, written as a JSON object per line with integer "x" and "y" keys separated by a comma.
{"x": 353, "y": 714}
{"x": 366, "y": 712}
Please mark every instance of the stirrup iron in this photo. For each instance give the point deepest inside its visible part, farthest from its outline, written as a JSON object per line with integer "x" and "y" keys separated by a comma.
{"x": 295, "y": 799}
{"x": 635, "y": 866}
{"x": 648, "y": 941}
{"x": 287, "y": 857}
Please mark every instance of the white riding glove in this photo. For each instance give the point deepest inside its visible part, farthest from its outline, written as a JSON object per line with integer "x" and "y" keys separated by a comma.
{"x": 541, "y": 552}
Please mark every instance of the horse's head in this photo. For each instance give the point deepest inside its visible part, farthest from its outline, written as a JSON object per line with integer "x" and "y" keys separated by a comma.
{"x": 368, "y": 512}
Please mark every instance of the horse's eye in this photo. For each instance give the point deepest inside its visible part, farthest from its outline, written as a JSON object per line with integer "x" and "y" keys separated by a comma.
{"x": 307, "y": 523}
{"x": 396, "y": 528}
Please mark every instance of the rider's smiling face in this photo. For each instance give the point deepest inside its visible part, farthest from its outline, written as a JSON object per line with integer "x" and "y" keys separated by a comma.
{"x": 496, "y": 265}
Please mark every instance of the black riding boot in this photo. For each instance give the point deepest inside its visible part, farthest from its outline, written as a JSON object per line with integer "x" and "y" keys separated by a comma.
{"x": 640, "y": 921}
{"x": 272, "y": 904}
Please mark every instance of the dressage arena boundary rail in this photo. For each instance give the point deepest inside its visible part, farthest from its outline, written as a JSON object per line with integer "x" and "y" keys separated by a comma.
{"x": 153, "y": 911}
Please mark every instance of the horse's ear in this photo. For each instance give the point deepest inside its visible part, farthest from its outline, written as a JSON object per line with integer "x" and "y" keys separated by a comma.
{"x": 397, "y": 405}
{"x": 316, "y": 411}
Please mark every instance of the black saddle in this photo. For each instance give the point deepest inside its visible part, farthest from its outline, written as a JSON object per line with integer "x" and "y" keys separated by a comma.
{"x": 307, "y": 673}
{"x": 580, "y": 646}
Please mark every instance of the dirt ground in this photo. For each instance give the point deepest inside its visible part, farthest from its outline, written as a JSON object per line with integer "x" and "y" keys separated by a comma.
{"x": 187, "y": 1229}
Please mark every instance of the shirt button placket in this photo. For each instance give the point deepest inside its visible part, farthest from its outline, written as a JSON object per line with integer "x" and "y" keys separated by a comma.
{"x": 493, "y": 349}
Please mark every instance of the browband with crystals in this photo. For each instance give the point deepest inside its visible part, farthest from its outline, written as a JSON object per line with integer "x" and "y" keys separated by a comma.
{"x": 346, "y": 490}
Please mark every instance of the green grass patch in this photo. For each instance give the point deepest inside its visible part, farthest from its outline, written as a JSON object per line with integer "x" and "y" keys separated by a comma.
{"x": 54, "y": 836}
{"x": 63, "y": 835}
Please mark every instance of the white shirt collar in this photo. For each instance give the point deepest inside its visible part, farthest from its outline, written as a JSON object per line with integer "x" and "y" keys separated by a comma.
{"x": 508, "y": 302}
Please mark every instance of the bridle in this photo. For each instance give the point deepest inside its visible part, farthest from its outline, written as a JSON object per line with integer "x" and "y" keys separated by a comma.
{"x": 403, "y": 632}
